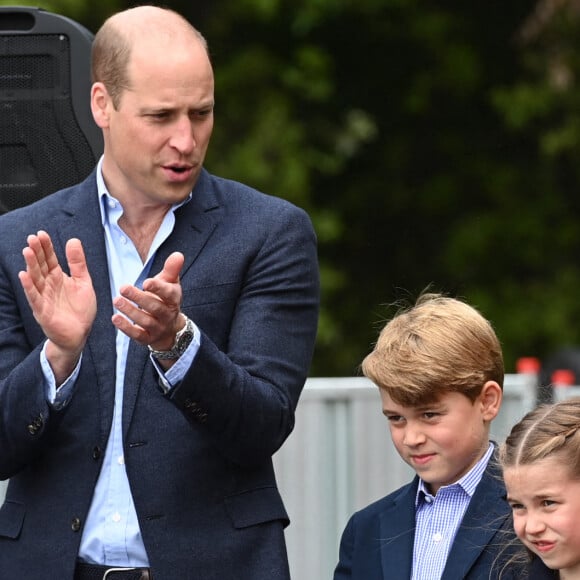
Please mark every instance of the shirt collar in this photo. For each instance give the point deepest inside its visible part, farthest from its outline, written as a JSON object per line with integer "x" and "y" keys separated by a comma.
{"x": 107, "y": 201}
{"x": 468, "y": 483}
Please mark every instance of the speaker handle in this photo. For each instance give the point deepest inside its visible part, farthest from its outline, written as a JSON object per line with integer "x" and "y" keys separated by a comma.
{"x": 33, "y": 20}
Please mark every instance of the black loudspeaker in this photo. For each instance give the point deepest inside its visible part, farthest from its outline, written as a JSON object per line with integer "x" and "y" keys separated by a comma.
{"x": 48, "y": 138}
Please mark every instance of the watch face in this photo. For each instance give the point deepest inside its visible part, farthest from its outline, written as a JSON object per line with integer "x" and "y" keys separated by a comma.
{"x": 184, "y": 341}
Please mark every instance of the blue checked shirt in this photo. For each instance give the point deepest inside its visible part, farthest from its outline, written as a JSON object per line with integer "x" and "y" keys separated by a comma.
{"x": 438, "y": 518}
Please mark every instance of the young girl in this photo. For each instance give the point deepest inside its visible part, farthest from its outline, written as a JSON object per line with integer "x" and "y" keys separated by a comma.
{"x": 541, "y": 467}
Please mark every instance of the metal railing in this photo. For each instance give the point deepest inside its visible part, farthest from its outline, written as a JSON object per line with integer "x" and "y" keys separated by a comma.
{"x": 340, "y": 458}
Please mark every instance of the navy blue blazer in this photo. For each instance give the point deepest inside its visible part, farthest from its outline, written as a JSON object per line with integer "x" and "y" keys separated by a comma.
{"x": 199, "y": 460}
{"x": 377, "y": 543}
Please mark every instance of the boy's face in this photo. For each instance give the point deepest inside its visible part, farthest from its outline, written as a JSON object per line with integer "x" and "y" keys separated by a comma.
{"x": 442, "y": 441}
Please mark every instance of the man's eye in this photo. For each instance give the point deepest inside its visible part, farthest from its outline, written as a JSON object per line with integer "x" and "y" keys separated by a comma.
{"x": 203, "y": 113}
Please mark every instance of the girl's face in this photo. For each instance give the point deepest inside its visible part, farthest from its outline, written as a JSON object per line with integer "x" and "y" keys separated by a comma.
{"x": 545, "y": 502}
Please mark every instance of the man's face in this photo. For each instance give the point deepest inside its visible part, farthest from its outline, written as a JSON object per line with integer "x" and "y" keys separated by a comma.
{"x": 157, "y": 138}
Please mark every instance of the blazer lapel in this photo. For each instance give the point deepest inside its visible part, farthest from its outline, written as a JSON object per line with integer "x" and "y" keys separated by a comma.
{"x": 195, "y": 222}
{"x": 82, "y": 220}
{"x": 397, "y": 526}
{"x": 485, "y": 515}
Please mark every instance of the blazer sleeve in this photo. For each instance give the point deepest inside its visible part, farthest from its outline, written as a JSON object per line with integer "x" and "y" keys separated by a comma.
{"x": 25, "y": 415}
{"x": 246, "y": 379}
{"x": 343, "y": 570}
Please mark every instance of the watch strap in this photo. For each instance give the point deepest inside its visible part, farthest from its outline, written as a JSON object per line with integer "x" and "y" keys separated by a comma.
{"x": 183, "y": 339}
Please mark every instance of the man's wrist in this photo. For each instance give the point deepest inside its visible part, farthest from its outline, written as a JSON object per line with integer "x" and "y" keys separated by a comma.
{"x": 182, "y": 341}
{"x": 61, "y": 361}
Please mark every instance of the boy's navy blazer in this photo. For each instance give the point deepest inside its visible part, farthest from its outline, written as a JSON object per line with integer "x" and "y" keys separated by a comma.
{"x": 198, "y": 460}
{"x": 377, "y": 543}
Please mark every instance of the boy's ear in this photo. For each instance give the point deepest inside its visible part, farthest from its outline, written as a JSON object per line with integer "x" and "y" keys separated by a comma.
{"x": 490, "y": 399}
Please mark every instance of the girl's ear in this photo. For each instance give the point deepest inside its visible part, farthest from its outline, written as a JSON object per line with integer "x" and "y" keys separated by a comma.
{"x": 490, "y": 399}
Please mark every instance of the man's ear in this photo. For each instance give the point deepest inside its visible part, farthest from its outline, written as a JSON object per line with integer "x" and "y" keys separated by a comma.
{"x": 100, "y": 104}
{"x": 490, "y": 399}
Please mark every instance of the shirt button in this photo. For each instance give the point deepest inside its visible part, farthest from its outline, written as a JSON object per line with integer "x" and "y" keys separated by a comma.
{"x": 123, "y": 240}
{"x": 112, "y": 203}
{"x": 437, "y": 537}
{"x": 117, "y": 518}
{"x": 121, "y": 460}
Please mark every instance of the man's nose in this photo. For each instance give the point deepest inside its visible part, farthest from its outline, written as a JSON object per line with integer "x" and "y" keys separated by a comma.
{"x": 183, "y": 138}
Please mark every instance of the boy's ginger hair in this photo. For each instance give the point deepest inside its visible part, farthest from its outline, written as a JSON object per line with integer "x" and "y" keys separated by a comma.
{"x": 439, "y": 345}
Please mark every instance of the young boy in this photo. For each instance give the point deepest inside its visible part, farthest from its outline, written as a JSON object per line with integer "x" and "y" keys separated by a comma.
{"x": 439, "y": 368}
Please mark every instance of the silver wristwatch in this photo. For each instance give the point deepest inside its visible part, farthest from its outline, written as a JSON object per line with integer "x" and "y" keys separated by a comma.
{"x": 182, "y": 340}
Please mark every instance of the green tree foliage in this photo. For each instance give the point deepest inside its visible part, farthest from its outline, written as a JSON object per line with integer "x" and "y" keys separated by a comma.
{"x": 433, "y": 144}
{"x": 380, "y": 118}
{"x": 541, "y": 107}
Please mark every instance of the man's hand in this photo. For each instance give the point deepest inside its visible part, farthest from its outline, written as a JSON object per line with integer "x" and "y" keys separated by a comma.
{"x": 64, "y": 306}
{"x": 152, "y": 316}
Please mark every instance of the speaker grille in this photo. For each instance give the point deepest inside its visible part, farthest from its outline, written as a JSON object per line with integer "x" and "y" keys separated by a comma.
{"x": 27, "y": 72}
{"x": 42, "y": 147}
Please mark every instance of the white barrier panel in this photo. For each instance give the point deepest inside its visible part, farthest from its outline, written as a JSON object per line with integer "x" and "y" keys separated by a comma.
{"x": 519, "y": 397}
{"x": 563, "y": 392}
{"x": 340, "y": 458}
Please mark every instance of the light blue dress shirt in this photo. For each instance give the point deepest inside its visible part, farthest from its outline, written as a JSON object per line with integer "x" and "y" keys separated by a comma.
{"x": 438, "y": 518}
{"x": 111, "y": 534}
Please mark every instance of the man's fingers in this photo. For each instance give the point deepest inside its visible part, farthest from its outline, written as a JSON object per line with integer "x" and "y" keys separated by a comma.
{"x": 39, "y": 256}
{"x": 133, "y": 331}
{"x": 171, "y": 268}
{"x": 142, "y": 302}
{"x": 29, "y": 287}
{"x": 49, "y": 259}
{"x": 150, "y": 314}
{"x": 77, "y": 262}
{"x": 165, "y": 285}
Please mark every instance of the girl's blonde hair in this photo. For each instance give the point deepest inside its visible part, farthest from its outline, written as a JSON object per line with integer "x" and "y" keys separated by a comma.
{"x": 545, "y": 431}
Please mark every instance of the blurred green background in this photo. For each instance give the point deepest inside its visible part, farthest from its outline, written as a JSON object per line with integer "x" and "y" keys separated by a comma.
{"x": 433, "y": 144}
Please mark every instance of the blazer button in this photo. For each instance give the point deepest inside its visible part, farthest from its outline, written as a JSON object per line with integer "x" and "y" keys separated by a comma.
{"x": 96, "y": 452}
{"x": 190, "y": 405}
{"x": 75, "y": 524}
{"x": 35, "y": 425}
